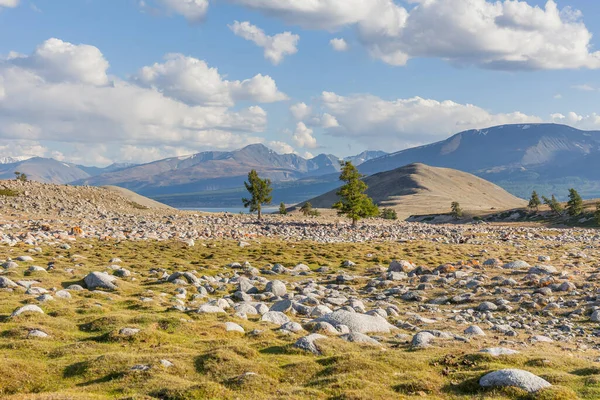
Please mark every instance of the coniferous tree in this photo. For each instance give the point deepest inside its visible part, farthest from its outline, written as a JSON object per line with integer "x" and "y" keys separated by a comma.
{"x": 282, "y": 209}
{"x": 354, "y": 202}
{"x": 457, "y": 211}
{"x": 597, "y": 214}
{"x": 306, "y": 209}
{"x": 534, "y": 202}
{"x": 554, "y": 204}
{"x": 575, "y": 203}
{"x": 260, "y": 190}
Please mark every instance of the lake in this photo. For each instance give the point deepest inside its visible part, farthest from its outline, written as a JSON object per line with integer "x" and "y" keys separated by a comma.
{"x": 231, "y": 210}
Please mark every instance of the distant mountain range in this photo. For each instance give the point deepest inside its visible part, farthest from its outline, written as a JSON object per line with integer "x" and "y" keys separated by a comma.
{"x": 549, "y": 158}
{"x": 191, "y": 177}
{"x": 12, "y": 160}
{"x": 49, "y": 170}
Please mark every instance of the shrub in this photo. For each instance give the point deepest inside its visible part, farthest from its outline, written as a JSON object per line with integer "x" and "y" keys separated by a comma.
{"x": 388, "y": 213}
{"x": 8, "y": 192}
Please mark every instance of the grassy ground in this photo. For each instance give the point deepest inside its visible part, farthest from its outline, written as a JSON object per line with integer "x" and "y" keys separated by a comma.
{"x": 87, "y": 358}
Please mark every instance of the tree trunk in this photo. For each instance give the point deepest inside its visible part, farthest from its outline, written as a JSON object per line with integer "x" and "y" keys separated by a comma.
{"x": 259, "y": 213}
{"x": 354, "y": 221}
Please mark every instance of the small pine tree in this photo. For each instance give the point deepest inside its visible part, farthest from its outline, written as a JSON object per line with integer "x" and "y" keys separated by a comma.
{"x": 457, "y": 212}
{"x": 306, "y": 209}
{"x": 534, "y": 202}
{"x": 554, "y": 205}
{"x": 597, "y": 213}
{"x": 354, "y": 202}
{"x": 575, "y": 203}
{"x": 282, "y": 209}
{"x": 389, "y": 213}
{"x": 260, "y": 189}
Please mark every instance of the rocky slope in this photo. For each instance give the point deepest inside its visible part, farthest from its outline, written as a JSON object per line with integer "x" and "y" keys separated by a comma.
{"x": 35, "y": 199}
{"x": 420, "y": 189}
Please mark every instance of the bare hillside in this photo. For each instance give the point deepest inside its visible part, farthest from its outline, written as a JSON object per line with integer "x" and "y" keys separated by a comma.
{"x": 136, "y": 198}
{"x": 420, "y": 189}
{"x": 30, "y": 198}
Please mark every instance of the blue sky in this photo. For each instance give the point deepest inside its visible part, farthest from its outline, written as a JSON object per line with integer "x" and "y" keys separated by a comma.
{"x": 413, "y": 72}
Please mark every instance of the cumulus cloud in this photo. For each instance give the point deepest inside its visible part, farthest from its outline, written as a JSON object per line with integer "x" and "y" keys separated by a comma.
{"x": 192, "y": 10}
{"x": 339, "y": 44}
{"x": 58, "y": 61}
{"x": 586, "y": 122}
{"x": 79, "y": 105}
{"x": 300, "y": 111}
{"x": 9, "y": 3}
{"x": 275, "y": 47}
{"x": 281, "y": 147}
{"x": 402, "y": 123}
{"x": 315, "y": 14}
{"x": 27, "y": 148}
{"x": 303, "y": 137}
{"x": 492, "y": 34}
{"x": 192, "y": 81}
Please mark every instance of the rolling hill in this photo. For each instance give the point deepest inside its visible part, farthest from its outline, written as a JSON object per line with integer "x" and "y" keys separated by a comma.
{"x": 421, "y": 189}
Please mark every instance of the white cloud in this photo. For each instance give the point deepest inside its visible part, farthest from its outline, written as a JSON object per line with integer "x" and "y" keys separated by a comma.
{"x": 18, "y": 148}
{"x": 585, "y": 122}
{"x": 315, "y": 14}
{"x": 308, "y": 155}
{"x": 303, "y": 137}
{"x": 403, "y": 123}
{"x": 300, "y": 111}
{"x": 42, "y": 104}
{"x": 492, "y": 34}
{"x": 328, "y": 121}
{"x": 192, "y": 10}
{"x": 584, "y": 88}
{"x": 58, "y": 61}
{"x": 275, "y": 47}
{"x": 9, "y": 3}
{"x": 558, "y": 96}
{"x": 192, "y": 81}
{"x": 281, "y": 147}
{"x": 339, "y": 44}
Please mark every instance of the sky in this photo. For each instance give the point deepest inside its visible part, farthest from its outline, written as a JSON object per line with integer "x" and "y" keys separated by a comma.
{"x": 100, "y": 81}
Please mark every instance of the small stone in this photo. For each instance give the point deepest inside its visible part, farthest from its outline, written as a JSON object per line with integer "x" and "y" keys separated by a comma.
{"x": 474, "y": 330}
{"x": 275, "y": 317}
{"x": 30, "y": 308}
{"x": 516, "y": 378}
{"x": 499, "y": 351}
{"x": 422, "y": 340}
{"x": 276, "y": 287}
{"x": 307, "y": 343}
{"x": 129, "y": 331}
{"x": 233, "y": 327}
